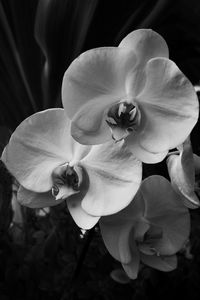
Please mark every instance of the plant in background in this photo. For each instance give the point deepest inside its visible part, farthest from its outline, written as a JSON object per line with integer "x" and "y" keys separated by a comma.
{"x": 39, "y": 39}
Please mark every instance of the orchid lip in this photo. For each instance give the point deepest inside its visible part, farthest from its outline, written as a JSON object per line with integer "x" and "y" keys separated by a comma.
{"x": 64, "y": 177}
{"x": 147, "y": 243}
{"x": 55, "y": 190}
{"x": 122, "y": 118}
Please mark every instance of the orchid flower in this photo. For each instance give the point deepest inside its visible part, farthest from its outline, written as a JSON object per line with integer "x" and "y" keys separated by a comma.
{"x": 152, "y": 228}
{"x": 51, "y": 167}
{"x": 132, "y": 91}
{"x": 182, "y": 167}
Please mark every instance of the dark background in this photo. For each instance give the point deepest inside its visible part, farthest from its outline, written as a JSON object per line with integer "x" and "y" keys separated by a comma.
{"x": 38, "y": 41}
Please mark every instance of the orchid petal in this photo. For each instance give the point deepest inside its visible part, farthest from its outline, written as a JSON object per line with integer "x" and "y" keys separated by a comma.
{"x": 80, "y": 217}
{"x": 168, "y": 106}
{"x": 148, "y": 244}
{"x": 162, "y": 263}
{"x": 114, "y": 176}
{"x": 142, "y": 154}
{"x": 120, "y": 276}
{"x": 116, "y": 238}
{"x": 89, "y": 123}
{"x": 182, "y": 173}
{"x": 39, "y": 144}
{"x": 146, "y": 44}
{"x": 132, "y": 268}
{"x": 96, "y": 73}
{"x": 140, "y": 228}
{"x": 156, "y": 219}
{"x": 164, "y": 209}
{"x": 94, "y": 81}
{"x": 196, "y": 163}
{"x": 157, "y": 203}
{"x": 36, "y": 200}
{"x": 117, "y": 230}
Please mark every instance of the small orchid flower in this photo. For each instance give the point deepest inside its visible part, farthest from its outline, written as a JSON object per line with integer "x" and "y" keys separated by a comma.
{"x": 153, "y": 228}
{"x": 182, "y": 167}
{"x": 132, "y": 91}
{"x": 51, "y": 167}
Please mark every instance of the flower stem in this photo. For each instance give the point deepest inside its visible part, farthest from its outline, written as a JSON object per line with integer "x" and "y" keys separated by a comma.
{"x": 81, "y": 259}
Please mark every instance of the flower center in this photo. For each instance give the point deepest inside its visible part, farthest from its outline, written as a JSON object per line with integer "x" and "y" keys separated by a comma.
{"x": 65, "y": 179}
{"x": 122, "y": 118}
{"x": 150, "y": 239}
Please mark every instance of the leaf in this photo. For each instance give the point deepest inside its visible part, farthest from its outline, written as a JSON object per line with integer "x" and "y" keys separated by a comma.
{"x": 15, "y": 88}
{"x": 60, "y": 30}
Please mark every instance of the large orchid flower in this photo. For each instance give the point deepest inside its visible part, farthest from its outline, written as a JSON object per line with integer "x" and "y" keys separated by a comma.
{"x": 132, "y": 91}
{"x": 152, "y": 228}
{"x": 183, "y": 165}
{"x": 51, "y": 167}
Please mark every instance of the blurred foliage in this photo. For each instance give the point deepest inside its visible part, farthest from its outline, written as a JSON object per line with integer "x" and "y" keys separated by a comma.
{"x": 52, "y": 259}
{"x": 46, "y": 256}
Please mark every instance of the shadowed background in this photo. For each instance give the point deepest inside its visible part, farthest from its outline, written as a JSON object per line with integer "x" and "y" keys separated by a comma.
{"x": 38, "y": 41}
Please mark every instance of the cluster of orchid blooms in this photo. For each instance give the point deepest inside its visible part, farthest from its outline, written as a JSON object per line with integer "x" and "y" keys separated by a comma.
{"x": 123, "y": 106}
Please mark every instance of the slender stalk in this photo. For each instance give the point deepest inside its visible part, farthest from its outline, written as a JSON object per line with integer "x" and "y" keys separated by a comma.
{"x": 83, "y": 254}
{"x": 79, "y": 265}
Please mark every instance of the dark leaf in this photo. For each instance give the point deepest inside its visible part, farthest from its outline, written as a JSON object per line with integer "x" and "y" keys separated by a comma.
{"x": 60, "y": 29}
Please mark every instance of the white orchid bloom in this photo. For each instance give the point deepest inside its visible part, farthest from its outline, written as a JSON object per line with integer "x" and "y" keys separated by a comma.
{"x": 51, "y": 167}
